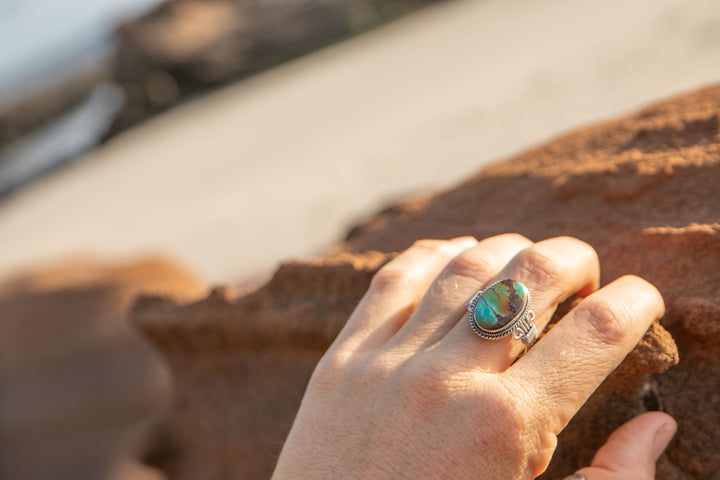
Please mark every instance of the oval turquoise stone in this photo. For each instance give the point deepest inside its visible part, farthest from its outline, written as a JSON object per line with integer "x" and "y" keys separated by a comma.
{"x": 500, "y": 304}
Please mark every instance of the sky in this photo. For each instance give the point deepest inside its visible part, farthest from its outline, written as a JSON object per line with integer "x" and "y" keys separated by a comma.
{"x": 41, "y": 36}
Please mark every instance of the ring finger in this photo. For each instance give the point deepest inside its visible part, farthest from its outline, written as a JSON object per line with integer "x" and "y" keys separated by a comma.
{"x": 444, "y": 300}
{"x": 552, "y": 270}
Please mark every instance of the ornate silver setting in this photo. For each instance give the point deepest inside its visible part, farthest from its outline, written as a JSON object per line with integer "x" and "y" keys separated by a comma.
{"x": 521, "y": 327}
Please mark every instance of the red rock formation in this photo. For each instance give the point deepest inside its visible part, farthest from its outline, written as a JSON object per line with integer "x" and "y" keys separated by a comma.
{"x": 73, "y": 376}
{"x": 241, "y": 364}
{"x": 643, "y": 190}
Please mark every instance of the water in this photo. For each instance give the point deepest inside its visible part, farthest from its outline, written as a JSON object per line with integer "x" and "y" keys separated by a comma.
{"x": 74, "y": 133}
{"x": 42, "y": 41}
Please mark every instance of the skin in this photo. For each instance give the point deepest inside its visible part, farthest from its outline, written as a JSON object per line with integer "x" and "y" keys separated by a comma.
{"x": 408, "y": 391}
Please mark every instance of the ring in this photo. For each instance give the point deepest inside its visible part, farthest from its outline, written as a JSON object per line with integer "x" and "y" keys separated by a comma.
{"x": 503, "y": 308}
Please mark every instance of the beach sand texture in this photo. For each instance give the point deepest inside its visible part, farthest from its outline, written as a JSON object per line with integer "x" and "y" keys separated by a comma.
{"x": 280, "y": 164}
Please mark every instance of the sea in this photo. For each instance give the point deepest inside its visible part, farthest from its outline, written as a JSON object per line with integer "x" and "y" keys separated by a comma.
{"x": 44, "y": 43}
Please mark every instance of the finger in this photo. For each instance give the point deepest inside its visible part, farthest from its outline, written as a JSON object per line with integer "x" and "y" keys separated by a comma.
{"x": 632, "y": 450}
{"x": 395, "y": 291}
{"x": 445, "y": 300}
{"x": 552, "y": 270}
{"x": 571, "y": 361}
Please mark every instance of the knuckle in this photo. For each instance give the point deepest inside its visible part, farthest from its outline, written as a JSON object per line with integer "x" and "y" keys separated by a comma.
{"x": 439, "y": 248}
{"x": 430, "y": 244}
{"x": 580, "y": 246}
{"x": 568, "y": 238}
{"x": 609, "y": 321}
{"x": 585, "y": 249}
{"x": 330, "y": 368}
{"x": 471, "y": 265}
{"x": 390, "y": 277}
{"x": 334, "y": 360}
{"x": 396, "y": 274}
{"x": 514, "y": 238}
{"x": 644, "y": 291}
{"x": 538, "y": 265}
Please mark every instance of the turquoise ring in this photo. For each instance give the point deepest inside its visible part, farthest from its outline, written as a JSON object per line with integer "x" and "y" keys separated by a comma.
{"x": 501, "y": 309}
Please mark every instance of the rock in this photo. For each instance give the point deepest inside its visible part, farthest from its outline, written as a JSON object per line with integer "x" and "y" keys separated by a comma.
{"x": 641, "y": 189}
{"x": 74, "y": 377}
{"x": 241, "y": 363}
{"x": 186, "y": 46}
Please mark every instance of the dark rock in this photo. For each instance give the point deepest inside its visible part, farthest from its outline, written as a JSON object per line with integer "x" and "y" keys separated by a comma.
{"x": 187, "y": 46}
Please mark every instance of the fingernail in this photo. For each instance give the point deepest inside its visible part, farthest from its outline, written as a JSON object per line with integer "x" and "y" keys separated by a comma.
{"x": 464, "y": 242}
{"x": 662, "y": 439}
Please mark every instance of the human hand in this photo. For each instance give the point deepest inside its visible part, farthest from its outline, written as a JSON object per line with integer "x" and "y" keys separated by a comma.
{"x": 407, "y": 390}
{"x": 632, "y": 450}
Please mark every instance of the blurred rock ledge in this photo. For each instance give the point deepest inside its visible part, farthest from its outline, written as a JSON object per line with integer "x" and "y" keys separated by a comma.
{"x": 187, "y": 46}
{"x": 77, "y": 383}
{"x": 641, "y": 189}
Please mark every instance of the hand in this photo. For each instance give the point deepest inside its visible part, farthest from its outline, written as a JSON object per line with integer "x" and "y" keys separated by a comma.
{"x": 407, "y": 390}
{"x": 632, "y": 450}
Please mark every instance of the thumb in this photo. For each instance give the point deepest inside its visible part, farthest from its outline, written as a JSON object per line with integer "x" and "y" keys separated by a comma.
{"x": 632, "y": 450}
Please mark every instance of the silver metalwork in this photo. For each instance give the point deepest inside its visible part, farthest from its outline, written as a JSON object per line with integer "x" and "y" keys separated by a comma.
{"x": 521, "y": 327}
{"x": 575, "y": 476}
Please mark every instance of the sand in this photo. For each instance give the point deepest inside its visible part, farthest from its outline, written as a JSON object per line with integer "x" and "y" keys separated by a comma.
{"x": 279, "y": 165}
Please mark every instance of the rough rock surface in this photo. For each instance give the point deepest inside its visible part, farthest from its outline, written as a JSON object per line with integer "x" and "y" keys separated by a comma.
{"x": 240, "y": 363}
{"x": 74, "y": 377}
{"x": 642, "y": 190}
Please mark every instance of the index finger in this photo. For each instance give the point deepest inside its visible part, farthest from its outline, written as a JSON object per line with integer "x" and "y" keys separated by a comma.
{"x": 566, "y": 366}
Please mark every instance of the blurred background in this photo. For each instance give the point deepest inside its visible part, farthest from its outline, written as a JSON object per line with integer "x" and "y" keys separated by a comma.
{"x": 169, "y": 146}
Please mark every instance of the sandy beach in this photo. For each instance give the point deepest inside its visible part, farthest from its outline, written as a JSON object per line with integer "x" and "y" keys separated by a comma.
{"x": 281, "y": 164}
